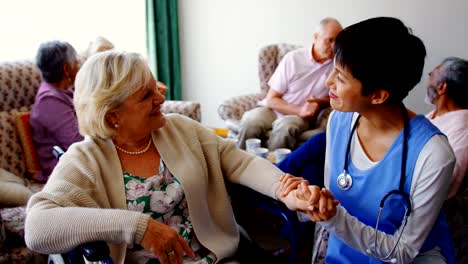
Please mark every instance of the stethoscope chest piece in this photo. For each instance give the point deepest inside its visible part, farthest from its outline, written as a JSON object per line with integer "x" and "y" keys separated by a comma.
{"x": 344, "y": 181}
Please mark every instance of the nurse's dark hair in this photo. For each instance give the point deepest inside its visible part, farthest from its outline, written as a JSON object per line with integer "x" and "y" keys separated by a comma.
{"x": 382, "y": 53}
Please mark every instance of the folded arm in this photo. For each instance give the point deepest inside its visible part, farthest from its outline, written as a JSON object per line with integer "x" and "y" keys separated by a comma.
{"x": 66, "y": 214}
{"x": 275, "y": 101}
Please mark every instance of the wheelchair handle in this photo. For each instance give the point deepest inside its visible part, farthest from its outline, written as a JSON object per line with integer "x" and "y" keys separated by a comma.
{"x": 57, "y": 152}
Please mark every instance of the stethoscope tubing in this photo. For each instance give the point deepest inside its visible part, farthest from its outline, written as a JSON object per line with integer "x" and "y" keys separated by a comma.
{"x": 345, "y": 180}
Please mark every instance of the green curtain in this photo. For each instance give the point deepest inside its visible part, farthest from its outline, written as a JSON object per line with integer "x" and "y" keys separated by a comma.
{"x": 162, "y": 36}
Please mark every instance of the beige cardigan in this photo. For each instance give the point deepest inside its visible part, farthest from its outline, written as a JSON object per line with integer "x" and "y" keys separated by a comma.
{"x": 89, "y": 176}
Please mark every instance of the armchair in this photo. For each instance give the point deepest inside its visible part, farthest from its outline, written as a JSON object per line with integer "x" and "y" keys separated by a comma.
{"x": 231, "y": 110}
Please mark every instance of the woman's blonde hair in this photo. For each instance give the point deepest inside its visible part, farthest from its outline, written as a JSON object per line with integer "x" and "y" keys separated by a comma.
{"x": 103, "y": 83}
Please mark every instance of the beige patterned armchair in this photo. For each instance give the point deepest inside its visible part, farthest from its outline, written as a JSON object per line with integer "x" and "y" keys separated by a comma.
{"x": 231, "y": 110}
{"x": 19, "y": 81}
{"x": 268, "y": 59}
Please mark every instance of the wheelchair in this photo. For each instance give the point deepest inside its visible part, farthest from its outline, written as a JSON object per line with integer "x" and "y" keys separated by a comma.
{"x": 299, "y": 234}
{"x": 98, "y": 251}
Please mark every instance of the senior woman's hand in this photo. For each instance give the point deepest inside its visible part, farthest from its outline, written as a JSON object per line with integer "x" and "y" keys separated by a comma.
{"x": 289, "y": 183}
{"x": 296, "y": 193}
{"x": 165, "y": 243}
{"x": 287, "y": 192}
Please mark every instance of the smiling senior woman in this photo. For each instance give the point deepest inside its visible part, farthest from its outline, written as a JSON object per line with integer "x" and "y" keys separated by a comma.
{"x": 151, "y": 185}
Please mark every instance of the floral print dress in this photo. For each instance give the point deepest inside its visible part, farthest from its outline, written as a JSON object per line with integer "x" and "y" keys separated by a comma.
{"x": 162, "y": 197}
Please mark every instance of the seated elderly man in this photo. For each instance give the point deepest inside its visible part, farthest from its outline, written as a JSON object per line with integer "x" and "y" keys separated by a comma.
{"x": 297, "y": 92}
{"x": 448, "y": 92}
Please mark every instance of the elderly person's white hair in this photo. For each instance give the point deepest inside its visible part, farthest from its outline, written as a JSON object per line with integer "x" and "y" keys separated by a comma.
{"x": 323, "y": 24}
{"x": 100, "y": 44}
{"x": 104, "y": 82}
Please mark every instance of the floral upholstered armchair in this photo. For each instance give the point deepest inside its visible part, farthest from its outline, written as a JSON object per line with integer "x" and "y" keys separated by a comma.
{"x": 19, "y": 81}
{"x": 231, "y": 110}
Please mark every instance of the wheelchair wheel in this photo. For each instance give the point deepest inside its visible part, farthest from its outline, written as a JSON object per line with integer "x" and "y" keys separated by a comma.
{"x": 56, "y": 259}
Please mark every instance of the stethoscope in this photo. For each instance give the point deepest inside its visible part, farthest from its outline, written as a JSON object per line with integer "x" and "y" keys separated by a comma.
{"x": 345, "y": 181}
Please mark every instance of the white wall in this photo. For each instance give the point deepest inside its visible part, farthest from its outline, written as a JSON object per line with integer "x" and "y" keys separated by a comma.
{"x": 220, "y": 39}
{"x": 25, "y": 24}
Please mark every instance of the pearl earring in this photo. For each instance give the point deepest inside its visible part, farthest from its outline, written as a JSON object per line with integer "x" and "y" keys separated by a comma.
{"x": 116, "y": 125}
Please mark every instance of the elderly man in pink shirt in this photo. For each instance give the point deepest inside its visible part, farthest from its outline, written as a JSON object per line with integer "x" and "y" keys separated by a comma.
{"x": 448, "y": 92}
{"x": 297, "y": 92}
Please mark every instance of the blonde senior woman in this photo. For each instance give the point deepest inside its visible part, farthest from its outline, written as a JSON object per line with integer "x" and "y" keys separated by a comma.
{"x": 151, "y": 185}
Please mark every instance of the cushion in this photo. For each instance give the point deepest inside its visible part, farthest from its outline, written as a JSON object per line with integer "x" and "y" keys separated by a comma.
{"x": 11, "y": 156}
{"x": 29, "y": 151}
{"x": 13, "y": 219}
{"x": 12, "y": 190}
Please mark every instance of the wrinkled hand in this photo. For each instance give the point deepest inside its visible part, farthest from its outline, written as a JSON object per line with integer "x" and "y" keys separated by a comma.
{"x": 289, "y": 183}
{"x": 321, "y": 203}
{"x": 309, "y": 109}
{"x": 287, "y": 191}
{"x": 296, "y": 194}
{"x": 161, "y": 239}
{"x": 162, "y": 88}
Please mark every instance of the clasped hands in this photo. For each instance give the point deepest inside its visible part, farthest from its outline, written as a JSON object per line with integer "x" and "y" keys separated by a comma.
{"x": 295, "y": 192}
{"x": 298, "y": 195}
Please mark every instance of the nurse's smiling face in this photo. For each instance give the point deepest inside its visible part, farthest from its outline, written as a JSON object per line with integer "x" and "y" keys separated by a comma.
{"x": 345, "y": 90}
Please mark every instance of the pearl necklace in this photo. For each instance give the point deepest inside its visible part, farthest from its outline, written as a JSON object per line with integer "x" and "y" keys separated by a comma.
{"x": 134, "y": 152}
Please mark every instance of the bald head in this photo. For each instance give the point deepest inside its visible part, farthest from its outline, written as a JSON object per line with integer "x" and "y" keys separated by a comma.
{"x": 327, "y": 22}
{"x": 324, "y": 39}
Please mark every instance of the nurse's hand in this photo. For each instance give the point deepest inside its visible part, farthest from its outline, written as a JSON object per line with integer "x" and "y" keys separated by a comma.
{"x": 298, "y": 195}
{"x": 321, "y": 209}
{"x": 322, "y": 205}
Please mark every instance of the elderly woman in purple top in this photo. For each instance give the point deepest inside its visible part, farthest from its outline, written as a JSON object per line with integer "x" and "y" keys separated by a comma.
{"x": 53, "y": 119}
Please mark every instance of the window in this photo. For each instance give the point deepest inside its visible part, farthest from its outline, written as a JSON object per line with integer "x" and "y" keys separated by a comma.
{"x": 25, "y": 24}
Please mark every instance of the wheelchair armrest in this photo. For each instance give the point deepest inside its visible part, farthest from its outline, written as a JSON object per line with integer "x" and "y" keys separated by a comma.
{"x": 92, "y": 251}
{"x": 95, "y": 251}
{"x": 248, "y": 195}
{"x": 57, "y": 152}
{"x": 296, "y": 230}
